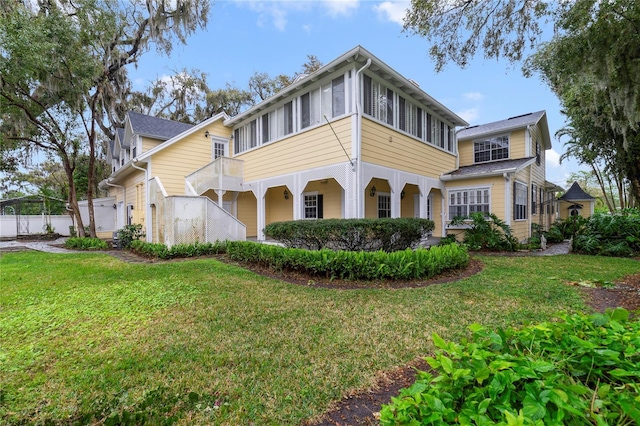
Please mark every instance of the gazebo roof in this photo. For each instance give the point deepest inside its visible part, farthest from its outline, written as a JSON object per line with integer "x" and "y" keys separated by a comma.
{"x": 576, "y": 193}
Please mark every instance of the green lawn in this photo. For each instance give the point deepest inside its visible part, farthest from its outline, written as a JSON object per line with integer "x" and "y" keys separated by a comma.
{"x": 85, "y": 337}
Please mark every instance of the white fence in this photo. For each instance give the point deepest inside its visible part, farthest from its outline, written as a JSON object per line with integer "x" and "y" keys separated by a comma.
{"x": 105, "y": 216}
{"x": 104, "y": 213}
{"x": 11, "y": 225}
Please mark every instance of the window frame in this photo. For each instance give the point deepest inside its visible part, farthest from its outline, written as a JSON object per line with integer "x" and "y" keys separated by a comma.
{"x": 464, "y": 200}
{"x": 386, "y": 208}
{"x": 519, "y": 209}
{"x": 492, "y": 151}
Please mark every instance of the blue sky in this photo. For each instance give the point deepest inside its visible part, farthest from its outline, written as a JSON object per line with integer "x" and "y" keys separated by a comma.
{"x": 245, "y": 36}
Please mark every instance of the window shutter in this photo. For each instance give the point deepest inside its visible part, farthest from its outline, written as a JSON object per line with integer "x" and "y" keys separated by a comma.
{"x": 320, "y": 206}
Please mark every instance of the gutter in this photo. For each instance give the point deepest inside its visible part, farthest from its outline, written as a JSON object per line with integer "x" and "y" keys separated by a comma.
{"x": 146, "y": 196}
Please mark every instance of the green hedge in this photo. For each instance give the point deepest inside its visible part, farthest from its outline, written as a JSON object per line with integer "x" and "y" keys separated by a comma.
{"x": 402, "y": 265}
{"x": 351, "y": 234}
{"x": 86, "y": 243}
{"x": 580, "y": 370}
{"x": 160, "y": 251}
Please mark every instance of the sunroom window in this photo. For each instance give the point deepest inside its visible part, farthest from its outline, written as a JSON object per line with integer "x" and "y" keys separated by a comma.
{"x": 386, "y": 106}
{"x": 327, "y": 100}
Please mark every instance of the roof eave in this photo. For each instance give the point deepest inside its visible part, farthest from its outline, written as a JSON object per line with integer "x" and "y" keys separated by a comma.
{"x": 352, "y": 55}
{"x": 144, "y": 157}
{"x": 450, "y": 177}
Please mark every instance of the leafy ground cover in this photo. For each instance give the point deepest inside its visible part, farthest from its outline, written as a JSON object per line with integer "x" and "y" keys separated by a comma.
{"x": 87, "y": 338}
{"x": 576, "y": 369}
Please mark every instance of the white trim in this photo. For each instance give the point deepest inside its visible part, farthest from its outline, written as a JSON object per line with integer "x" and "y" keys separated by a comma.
{"x": 302, "y": 204}
{"x": 488, "y": 187}
{"x": 488, "y": 139}
{"x": 527, "y": 205}
{"x": 358, "y": 53}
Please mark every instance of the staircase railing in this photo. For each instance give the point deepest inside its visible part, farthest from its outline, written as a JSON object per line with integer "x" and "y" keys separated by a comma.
{"x": 223, "y": 173}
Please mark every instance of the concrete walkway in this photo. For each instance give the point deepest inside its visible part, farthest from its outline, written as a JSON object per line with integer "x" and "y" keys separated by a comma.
{"x": 45, "y": 246}
{"x": 552, "y": 250}
{"x": 54, "y": 247}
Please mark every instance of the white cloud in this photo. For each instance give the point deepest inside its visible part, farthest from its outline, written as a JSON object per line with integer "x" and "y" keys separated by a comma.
{"x": 272, "y": 13}
{"x": 394, "y": 10}
{"x": 552, "y": 158}
{"x": 340, "y": 7}
{"x": 473, "y": 96}
{"x": 469, "y": 114}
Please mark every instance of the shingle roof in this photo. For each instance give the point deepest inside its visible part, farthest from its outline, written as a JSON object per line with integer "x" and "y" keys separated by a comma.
{"x": 495, "y": 167}
{"x": 155, "y": 127}
{"x": 502, "y": 125}
{"x": 576, "y": 193}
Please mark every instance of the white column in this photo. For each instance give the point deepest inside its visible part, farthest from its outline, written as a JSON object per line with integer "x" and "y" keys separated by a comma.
{"x": 261, "y": 211}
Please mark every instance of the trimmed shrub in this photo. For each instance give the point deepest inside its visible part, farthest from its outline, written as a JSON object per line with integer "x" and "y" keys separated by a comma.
{"x": 486, "y": 231}
{"x": 85, "y": 244}
{"x": 400, "y": 265}
{"x": 388, "y": 235}
{"x": 161, "y": 251}
{"x": 578, "y": 370}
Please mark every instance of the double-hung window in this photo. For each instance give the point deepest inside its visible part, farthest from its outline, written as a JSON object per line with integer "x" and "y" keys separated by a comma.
{"x": 313, "y": 205}
{"x": 466, "y": 201}
{"x": 492, "y": 149}
{"x": 520, "y": 201}
{"x": 534, "y": 196}
{"x": 384, "y": 205}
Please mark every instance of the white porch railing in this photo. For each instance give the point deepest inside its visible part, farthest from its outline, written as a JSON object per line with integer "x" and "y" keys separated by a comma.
{"x": 223, "y": 173}
{"x": 198, "y": 219}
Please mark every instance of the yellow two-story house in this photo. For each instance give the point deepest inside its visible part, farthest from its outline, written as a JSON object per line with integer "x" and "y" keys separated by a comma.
{"x": 353, "y": 139}
{"x": 501, "y": 169}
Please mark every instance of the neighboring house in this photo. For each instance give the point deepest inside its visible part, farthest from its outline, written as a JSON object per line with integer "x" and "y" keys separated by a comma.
{"x": 501, "y": 169}
{"x": 353, "y": 139}
{"x": 576, "y": 202}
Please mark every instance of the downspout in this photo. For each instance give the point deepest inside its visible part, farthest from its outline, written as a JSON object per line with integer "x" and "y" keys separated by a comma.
{"x": 508, "y": 194}
{"x": 457, "y": 149}
{"x": 360, "y": 194}
{"x": 146, "y": 199}
{"x": 124, "y": 193}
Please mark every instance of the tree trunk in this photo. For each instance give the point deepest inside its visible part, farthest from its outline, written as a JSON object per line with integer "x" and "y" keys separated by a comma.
{"x": 73, "y": 199}
{"x": 91, "y": 176}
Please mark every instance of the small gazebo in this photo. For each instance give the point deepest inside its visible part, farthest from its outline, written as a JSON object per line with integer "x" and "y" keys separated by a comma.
{"x": 576, "y": 202}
